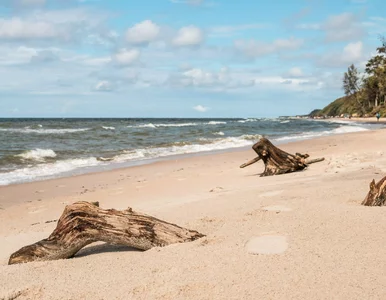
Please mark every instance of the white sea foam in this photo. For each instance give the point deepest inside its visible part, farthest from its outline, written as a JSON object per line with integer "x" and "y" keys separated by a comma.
{"x": 219, "y": 133}
{"x": 47, "y": 170}
{"x": 44, "y": 131}
{"x": 210, "y": 145}
{"x": 151, "y": 125}
{"x": 216, "y": 122}
{"x": 37, "y": 154}
{"x": 177, "y": 125}
{"x": 347, "y": 129}
{"x": 108, "y": 127}
{"x": 337, "y": 121}
{"x": 248, "y": 120}
{"x": 310, "y": 135}
{"x": 284, "y": 122}
{"x": 50, "y": 170}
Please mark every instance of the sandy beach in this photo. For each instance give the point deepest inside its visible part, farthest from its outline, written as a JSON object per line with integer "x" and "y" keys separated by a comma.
{"x": 296, "y": 236}
{"x": 363, "y": 120}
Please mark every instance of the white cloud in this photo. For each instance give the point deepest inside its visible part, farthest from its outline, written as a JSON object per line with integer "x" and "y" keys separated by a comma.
{"x": 197, "y": 77}
{"x": 126, "y": 57}
{"x": 16, "y": 55}
{"x": 97, "y": 61}
{"x": 337, "y": 28}
{"x": 201, "y": 108}
{"x": 144, "y": 32}
{"x": 241, "y": 80}
{"x": 104, "y": 86}
{"x": 44, "y": 56}
{"x": 188, "y": 36}
{"x": 352, "y": 53}
{"x": 295, "y": 72}
{"x": 23, "y": 3}
{"x": 343, "y": 27}
{"x": 252, "y": 48}
{"x": 16, "y": 28}
{"x": 64, "y": 25}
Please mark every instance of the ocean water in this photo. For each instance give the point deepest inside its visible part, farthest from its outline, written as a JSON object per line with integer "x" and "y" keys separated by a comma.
{"x": 37, "y": 149}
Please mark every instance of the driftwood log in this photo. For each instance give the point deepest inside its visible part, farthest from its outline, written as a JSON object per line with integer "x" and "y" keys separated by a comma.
{"x": 83, "y": 223}
{"x": 277, "y": 161}
{"x": 377, "y": 194}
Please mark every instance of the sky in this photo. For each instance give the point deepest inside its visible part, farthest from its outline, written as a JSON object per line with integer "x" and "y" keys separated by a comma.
{"x": 180, "y": 58}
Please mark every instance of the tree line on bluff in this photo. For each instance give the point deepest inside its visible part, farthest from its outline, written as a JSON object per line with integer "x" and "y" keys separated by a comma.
{"x": 365, "y": 94}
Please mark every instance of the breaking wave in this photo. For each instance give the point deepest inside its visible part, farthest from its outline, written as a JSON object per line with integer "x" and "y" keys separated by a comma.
{"x": 43, "y": 130}
{"x": 37, "y": 154}
{"x": 108, "y": 127}
{"x": 50, "y": 170}
{"x": 310, "y": 135}
{"x": 46, "y": 170}
{"x": 219, "y": 133}
{"x": 151, "y": 125}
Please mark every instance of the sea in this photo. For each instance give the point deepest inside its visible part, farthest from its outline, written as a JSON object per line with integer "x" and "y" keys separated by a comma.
{"x": 38, "y": 149}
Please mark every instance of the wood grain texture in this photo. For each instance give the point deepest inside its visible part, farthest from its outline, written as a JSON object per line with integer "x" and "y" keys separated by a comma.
{"x": 83, "y": 223}
{"x": 277, "y": 161}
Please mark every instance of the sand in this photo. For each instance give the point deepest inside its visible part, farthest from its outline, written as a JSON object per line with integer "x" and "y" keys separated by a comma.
{"x": 296, "y": 236}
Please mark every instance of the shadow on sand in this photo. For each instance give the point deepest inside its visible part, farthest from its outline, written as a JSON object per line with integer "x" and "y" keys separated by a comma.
{"x": 104, "y": 248}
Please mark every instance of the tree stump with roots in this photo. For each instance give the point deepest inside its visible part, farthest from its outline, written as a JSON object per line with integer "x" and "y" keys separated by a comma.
{"x": 377, "y": 194}
{"x": 83, "y": 223}
{"x": 277, "y": 161}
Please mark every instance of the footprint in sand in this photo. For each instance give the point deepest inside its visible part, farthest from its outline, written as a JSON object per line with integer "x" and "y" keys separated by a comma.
{"x": 276, "y": 208}
{"x": 217, "y": 189}
{"x": 267, "y": 244}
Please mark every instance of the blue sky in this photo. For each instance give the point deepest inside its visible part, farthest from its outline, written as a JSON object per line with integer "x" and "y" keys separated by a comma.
{"x": 180, "y": 58}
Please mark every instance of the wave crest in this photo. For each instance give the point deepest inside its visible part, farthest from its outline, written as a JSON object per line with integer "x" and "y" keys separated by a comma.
{"x": 44, "y": 131}
{"x": 37, "y": 154}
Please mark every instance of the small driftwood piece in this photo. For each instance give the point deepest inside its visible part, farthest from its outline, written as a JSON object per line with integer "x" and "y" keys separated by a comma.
{"x": 377, "y": 194}
{"x": 277, "y": 161}
{"x": 83, "y": 223}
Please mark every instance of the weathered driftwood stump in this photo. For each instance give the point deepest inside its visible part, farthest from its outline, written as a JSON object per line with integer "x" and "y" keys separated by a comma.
{"x": 377, "y": 194}
{"x": 83, "y": 223}
{"x": 277, "y": 161}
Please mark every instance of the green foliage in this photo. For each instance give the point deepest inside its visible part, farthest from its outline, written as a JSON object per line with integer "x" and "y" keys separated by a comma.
{"x": 315, "y": 113}
{"x": 344, "y": 105}
{"x": 364, "y": 96}
{"x": 351, "y": 81}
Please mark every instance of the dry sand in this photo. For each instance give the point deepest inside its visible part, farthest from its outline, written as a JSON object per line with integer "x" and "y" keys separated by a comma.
{"x": 296, "y": 236}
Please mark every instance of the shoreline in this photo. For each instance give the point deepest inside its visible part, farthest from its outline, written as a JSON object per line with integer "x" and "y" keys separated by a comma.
{"x": 316, "y": 215}
{"x": 368, "y": 120}
{"x": 23, "y": 190}
{"x": 115, "y": 165}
